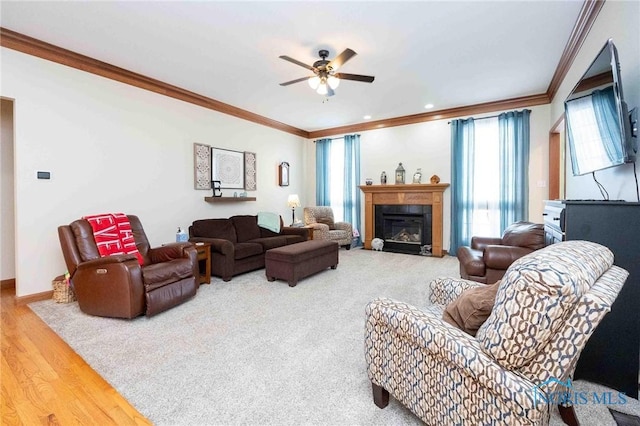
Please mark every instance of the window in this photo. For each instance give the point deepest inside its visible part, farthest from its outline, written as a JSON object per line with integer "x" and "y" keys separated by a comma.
{"x": 336, "y": 179}
{"x": 489, "y": 175}
{"x": 486, "y": 190}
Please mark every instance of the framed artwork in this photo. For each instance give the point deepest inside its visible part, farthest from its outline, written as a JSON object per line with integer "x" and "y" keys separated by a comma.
{"x": 250, "y": 183}
{"x": 202, "y": 166}
{"x": 283, "y": 174}
{"x": 227, "y": 167}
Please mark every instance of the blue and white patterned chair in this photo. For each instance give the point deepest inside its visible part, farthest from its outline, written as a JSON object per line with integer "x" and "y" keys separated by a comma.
{"x": 547, "y": 306}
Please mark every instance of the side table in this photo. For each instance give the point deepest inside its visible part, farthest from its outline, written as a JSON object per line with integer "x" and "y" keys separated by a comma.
{"x": 204, "y": 254}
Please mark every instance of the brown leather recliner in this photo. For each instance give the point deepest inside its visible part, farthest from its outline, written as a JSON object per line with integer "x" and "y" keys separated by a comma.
{"x": 117, "y": 286}
{"x": 488, "y": 258}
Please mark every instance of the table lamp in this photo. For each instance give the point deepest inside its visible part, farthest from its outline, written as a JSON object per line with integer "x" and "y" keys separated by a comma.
{"x": 293, "y": 202}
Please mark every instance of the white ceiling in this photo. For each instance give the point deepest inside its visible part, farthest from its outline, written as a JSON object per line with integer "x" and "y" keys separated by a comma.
{"x": 448, "y": 53}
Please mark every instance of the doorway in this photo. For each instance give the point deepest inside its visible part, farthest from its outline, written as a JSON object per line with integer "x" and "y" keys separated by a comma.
{"x": 7, "y": 201}
{"x": 557, "y": 160}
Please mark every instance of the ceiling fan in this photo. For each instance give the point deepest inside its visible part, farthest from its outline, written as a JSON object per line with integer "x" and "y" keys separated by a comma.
{"x": 325, "y": 78}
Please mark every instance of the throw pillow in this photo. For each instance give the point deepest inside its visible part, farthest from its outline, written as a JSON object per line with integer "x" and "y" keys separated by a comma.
{"x": 472, "y": 308}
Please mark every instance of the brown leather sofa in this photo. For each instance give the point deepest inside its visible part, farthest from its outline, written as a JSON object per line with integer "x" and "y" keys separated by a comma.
{"x": 488, "y": 258}
{"x": 117, "y": 286}
{"x": 238, "y": 244}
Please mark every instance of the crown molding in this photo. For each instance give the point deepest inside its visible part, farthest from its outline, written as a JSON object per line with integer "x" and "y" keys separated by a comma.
{"x": 587, "y": 16}
{"x": 25, "y": 44}
{"x": 31, "y": 46}
{"x": 521, "y": 102}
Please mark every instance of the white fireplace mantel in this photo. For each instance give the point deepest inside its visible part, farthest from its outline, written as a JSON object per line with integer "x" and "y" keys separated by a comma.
{"x": 408, "y": 194}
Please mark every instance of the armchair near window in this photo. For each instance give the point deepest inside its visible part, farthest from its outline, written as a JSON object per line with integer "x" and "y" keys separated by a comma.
{"x": 320, "y": 221}
{"x": 118, "y": 286}
{"x": 546, "y": 307}
{"x": 488, "y": 258}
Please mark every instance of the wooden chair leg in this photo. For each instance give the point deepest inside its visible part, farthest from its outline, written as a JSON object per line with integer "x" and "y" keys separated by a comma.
{"x": 568, "y": 415}
{"x": 380, "y": 396}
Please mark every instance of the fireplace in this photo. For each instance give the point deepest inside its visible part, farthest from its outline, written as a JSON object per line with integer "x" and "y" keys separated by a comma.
{"x": 404, "y": 228}
{"x": 417, "y": 194}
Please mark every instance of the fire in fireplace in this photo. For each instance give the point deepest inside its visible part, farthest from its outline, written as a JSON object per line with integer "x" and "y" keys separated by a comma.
{"x": 404, "y": 228}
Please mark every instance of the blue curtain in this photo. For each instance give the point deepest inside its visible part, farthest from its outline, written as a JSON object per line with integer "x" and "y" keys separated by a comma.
{"x": 604, "y": 108}
{"x": 569, "y": 107}
{"x": 323, "y": 169}
{"x": 514, "y": 167}
{"x": 351, "y": 201}
{"x": 462, "y": 162}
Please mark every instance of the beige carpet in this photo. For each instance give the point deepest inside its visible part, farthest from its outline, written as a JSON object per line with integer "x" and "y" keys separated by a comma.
{"x": 254, "y": 352}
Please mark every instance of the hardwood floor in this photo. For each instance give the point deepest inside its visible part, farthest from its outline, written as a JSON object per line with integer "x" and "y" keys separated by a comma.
{"x": 45, "y": 382}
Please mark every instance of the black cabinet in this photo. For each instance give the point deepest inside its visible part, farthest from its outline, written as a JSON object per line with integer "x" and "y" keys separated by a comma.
{"x": 612, "y": 354}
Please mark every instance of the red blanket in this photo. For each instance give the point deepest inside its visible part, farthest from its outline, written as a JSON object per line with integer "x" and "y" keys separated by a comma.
{"x": 113, "y": 235}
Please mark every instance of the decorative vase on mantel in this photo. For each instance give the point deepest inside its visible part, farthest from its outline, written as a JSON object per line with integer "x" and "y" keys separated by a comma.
{"x": 400, "y": 175}
{"x": 417, "y": 176}
{"x": 383, "y": 178}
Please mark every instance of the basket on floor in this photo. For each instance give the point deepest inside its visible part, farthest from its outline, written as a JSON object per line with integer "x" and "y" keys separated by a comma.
{"x": 62, "y": 292}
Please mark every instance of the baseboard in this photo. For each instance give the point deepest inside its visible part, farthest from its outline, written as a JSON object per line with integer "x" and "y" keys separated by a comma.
{"x": 45, "y": 295}
{"x": 24, "y": 300}
{"x": 10, "y": 283}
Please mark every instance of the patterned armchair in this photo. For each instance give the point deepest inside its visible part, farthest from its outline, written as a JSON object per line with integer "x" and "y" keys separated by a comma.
{"x": 504, "y": 375}
{"x": 323, "y": 227}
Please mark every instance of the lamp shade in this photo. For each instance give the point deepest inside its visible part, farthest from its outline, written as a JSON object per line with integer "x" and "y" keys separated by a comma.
{"x": 322, "y": 89}
{"x": 314, "y": 82}
{"x": 333, "y": 81}
{"x": 293, "y": 201}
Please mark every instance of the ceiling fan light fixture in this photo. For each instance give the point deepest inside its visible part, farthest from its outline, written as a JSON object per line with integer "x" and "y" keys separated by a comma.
{"x": 325, "y": 79}
{"x": 314, "y": 82}
{"x": 333, "y": 81}
{"x": 322, "y": 89}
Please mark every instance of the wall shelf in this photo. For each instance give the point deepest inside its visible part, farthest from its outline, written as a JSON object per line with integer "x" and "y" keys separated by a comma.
{"x": 227, "y": 199}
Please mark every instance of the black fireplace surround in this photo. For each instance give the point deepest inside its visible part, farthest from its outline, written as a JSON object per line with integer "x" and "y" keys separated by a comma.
{"x": 404, "y": 228}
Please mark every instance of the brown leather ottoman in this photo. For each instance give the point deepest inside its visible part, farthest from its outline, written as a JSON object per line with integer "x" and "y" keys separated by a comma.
{"x": 296, "y": 261}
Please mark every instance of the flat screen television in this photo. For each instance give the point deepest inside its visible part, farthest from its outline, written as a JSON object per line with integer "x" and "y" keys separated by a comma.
{"x": 597, "y": 119}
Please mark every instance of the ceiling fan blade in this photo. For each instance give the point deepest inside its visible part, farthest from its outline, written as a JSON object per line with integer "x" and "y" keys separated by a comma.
{"x": 339, "y": 60}
{"x": 297, "y": 80}
{"x": 355, "y": 77}
{"x": 294, "y": 61}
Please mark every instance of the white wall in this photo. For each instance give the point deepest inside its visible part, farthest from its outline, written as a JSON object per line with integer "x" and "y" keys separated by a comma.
{"x": 113, "y": 147}
{"x": 620, "y": 21}
{"x": 428, "y": 146}
{"x": 7, "y": 238}
{"x": 425, "y": 145}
